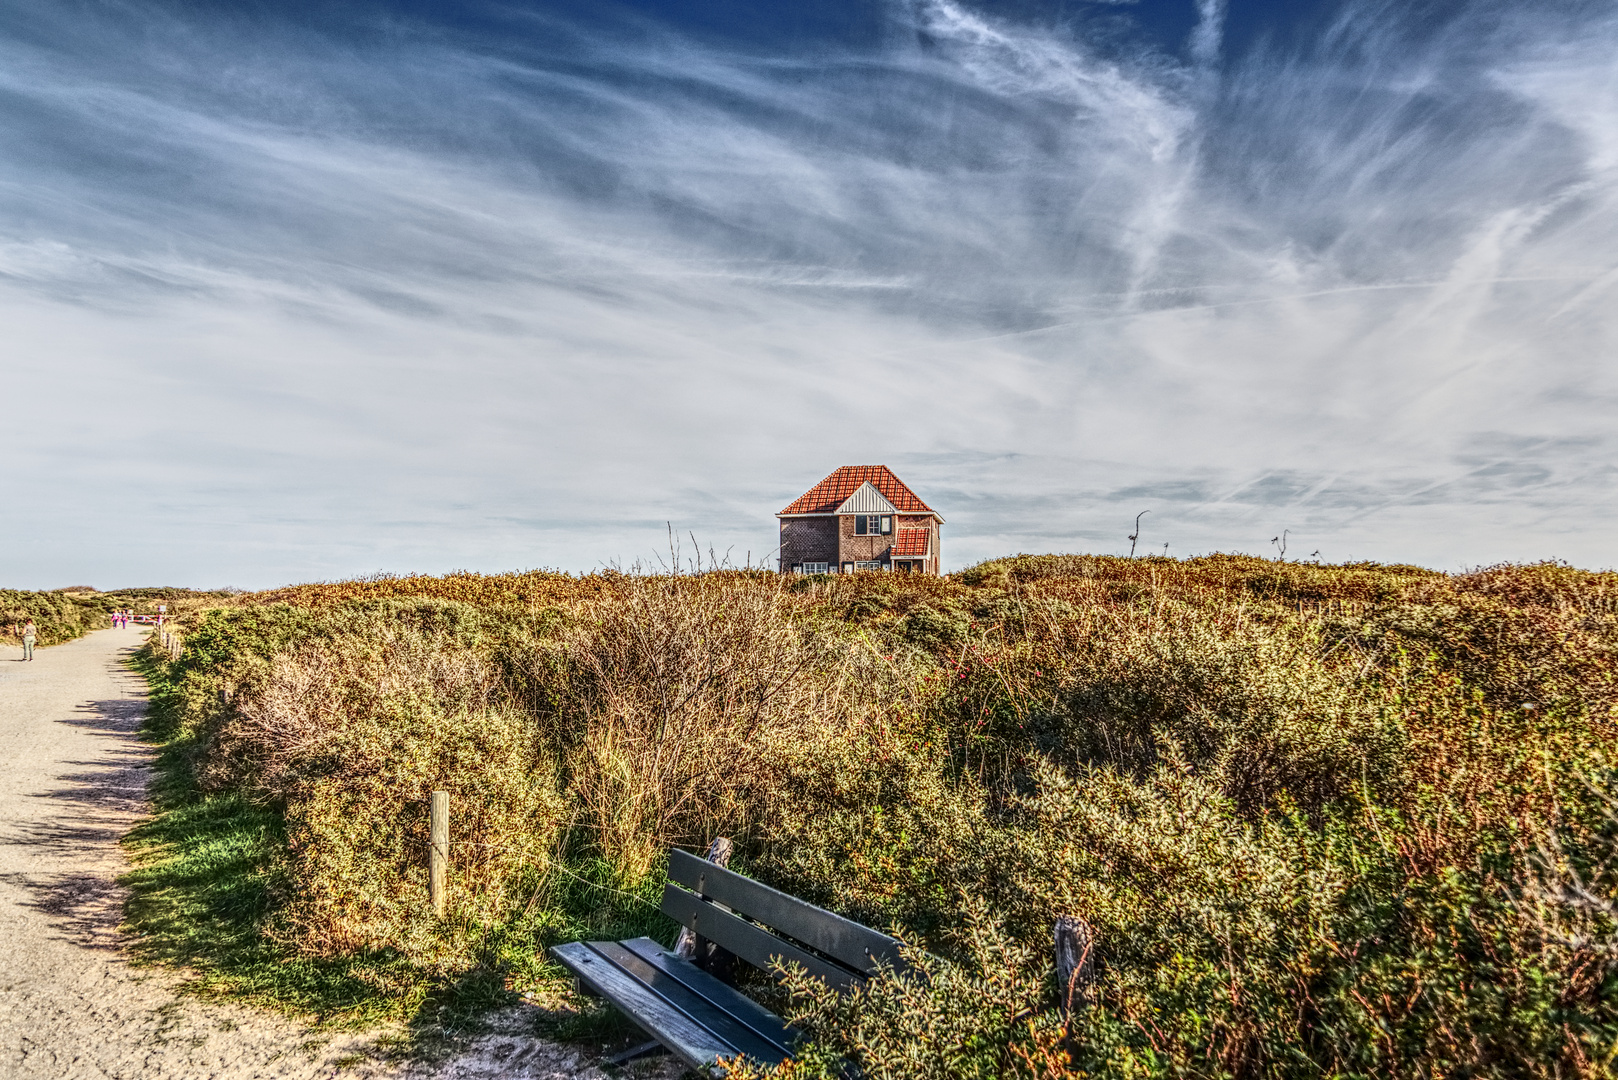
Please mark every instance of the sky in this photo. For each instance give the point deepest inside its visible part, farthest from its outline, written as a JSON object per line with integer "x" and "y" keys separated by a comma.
{"x": 298, "y": 291}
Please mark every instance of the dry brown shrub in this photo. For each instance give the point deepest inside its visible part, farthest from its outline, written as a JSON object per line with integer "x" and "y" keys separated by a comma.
{"x": 532, "y": 589}
{"x": 1552, "y": 585}
{"x": 681, "y": 701}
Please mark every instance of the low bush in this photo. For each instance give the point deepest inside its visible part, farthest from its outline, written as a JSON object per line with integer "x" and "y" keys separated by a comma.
{"x": 348, "y": 736}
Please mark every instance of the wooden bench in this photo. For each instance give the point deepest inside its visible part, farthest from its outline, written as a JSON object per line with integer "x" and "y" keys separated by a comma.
{"x": 683, "y": 998}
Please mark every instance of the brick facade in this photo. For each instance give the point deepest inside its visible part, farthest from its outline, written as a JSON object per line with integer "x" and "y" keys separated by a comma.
{"x": 810, "y": 539}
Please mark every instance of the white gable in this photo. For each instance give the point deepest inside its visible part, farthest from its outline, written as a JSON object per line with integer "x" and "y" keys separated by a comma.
{"x": 866, "y": 500}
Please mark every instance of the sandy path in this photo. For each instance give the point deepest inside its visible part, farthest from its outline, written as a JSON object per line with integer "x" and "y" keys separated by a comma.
{"x": 72, "y": 782}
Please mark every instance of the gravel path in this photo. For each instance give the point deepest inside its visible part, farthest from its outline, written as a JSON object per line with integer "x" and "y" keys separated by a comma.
{"x": 72, "y": 782}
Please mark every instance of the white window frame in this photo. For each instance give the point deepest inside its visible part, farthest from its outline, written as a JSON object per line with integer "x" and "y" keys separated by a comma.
{"x": 815, "y": 568}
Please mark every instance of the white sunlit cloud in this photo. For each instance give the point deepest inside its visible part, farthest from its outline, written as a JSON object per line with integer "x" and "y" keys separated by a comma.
{"x": 280, "y": 306}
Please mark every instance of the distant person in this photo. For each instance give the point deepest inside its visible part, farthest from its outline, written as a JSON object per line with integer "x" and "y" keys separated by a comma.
{"x": 30, "y": 633}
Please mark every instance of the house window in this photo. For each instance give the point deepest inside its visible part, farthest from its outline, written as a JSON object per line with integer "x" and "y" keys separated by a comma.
{"x": 873, "y": 525}
{"x": 816, "y": 568}
{"x": 870, "y": 564}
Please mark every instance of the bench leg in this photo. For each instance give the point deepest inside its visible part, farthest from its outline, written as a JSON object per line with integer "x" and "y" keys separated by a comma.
{"x": 643, "y": 1050}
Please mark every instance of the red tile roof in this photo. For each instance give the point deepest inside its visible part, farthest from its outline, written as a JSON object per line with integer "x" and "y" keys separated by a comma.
{"x": 826, "y": 496}
{"x": 911, "y": 544}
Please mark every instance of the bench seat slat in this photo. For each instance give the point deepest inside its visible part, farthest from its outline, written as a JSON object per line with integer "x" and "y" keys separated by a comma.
{"x": 757, "y": 946}
{"x": 744, "y": 1009}
{"x": 697, "y": 1006}
{"x": 844, "y": 940}
{"x": 690, "y": 1041}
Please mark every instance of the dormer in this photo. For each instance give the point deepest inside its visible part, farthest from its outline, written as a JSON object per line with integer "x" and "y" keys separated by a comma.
{"x": 872, "y": 513}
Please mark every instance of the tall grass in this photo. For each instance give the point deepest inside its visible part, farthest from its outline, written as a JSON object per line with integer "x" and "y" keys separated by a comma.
{"x": 1323, "y": 820}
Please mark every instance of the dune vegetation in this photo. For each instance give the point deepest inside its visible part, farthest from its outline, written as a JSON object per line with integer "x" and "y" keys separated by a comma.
{"x": 65, "y": 614}
{"x": 1321, "y": 820}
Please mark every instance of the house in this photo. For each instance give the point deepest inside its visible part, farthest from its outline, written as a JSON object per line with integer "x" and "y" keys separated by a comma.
{"x": 861, "y": 517}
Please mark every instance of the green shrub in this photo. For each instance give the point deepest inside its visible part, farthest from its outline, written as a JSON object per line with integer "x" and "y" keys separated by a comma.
{"x": 1265, "y": 712}
{"x": 938, "y": 1021}
{"x": 349, "y": 735}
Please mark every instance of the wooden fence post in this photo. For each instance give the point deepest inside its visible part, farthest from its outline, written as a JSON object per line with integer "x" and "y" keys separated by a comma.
{"x": 438, "y": 857}
{"x": 693, "y": 946}
{"x": 1075, "y": 956}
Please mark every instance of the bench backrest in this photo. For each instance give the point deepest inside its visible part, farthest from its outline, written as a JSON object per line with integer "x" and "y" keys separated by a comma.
{"x": 838, "y": 950}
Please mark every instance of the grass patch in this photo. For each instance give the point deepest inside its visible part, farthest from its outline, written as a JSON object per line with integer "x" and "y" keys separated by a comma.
{"x": 206, "y": 871}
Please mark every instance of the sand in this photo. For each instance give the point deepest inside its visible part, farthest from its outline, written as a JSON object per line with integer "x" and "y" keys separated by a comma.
{"x": 73, "y": 779}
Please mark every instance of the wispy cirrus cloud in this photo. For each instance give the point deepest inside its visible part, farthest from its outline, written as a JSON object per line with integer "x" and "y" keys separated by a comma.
{"x": 299, "y": 302}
